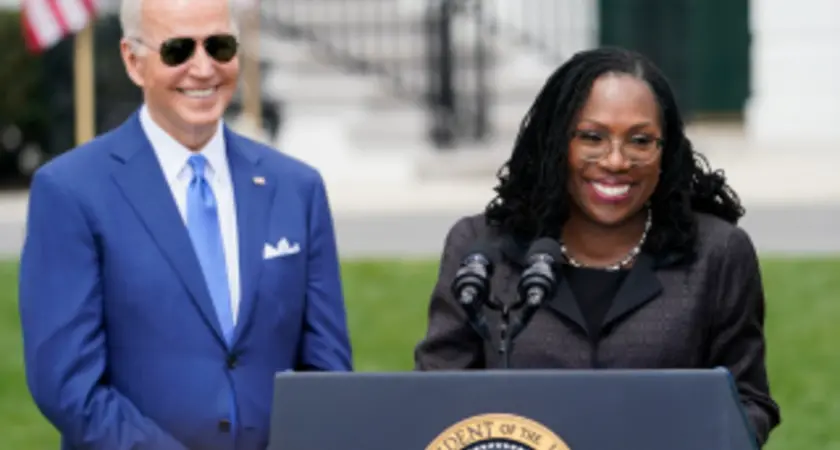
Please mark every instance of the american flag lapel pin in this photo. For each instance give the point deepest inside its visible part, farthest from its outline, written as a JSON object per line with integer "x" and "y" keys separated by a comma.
{"x": 259, "y": 181}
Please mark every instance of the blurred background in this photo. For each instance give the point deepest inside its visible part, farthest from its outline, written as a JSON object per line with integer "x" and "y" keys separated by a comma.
{"x": 409, "y": 107}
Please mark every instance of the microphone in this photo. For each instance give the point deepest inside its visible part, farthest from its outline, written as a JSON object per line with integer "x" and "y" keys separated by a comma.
{"x": 471, "y": 286}
{"x": 538, "y": 282}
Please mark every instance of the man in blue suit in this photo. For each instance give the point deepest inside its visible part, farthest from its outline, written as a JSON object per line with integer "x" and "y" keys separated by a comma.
{"x": 171, "y": 266}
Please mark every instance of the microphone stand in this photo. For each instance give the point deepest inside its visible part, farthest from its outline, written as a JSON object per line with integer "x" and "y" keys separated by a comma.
{"x": 511, "y": 327}
{"x": 506, "y": 342}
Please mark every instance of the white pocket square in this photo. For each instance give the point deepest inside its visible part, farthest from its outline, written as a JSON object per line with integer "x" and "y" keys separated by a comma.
{"x": 283, "y": 248}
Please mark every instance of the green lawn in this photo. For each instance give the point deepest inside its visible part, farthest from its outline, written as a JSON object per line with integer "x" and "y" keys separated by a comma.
{"x": 387, "y": 307}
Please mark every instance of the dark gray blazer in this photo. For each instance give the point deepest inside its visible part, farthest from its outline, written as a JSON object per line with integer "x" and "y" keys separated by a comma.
{"x": 706, "y": 314}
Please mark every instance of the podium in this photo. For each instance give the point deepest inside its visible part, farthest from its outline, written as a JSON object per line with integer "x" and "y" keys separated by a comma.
{"x": 510, "y": 410}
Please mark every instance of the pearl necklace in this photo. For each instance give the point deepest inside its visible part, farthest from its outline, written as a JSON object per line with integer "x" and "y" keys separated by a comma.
{"x": 624, "y": 261}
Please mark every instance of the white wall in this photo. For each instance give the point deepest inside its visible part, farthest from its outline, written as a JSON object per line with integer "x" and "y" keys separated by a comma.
{"x": 795, "y": 59}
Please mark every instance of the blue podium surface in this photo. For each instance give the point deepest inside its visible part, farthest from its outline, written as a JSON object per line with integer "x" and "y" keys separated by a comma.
{"x": 510, "y": 410}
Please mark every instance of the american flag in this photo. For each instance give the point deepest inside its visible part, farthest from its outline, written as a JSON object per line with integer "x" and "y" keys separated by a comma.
{"x": 45, "y": 22}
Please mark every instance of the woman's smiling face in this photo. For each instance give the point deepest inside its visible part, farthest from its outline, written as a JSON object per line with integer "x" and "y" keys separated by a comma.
{"x": 615, "y": 150}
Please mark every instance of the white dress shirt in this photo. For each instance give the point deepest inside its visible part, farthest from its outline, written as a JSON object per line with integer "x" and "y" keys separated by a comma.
{"x": 173, "y": 157}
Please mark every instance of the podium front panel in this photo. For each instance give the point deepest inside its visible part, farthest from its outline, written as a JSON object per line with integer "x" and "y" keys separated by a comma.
{"x": 509, "y": 410}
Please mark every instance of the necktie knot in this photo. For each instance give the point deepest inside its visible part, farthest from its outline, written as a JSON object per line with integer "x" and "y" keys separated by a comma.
{"x": 197, "y": 163}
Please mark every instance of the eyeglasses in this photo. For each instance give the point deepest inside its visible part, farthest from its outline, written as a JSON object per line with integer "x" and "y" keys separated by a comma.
{"x": 176, "y": 51}
{"x": 638, "y": 149}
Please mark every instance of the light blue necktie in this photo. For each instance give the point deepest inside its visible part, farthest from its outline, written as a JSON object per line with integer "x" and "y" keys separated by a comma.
{"x": 206, "y": 236}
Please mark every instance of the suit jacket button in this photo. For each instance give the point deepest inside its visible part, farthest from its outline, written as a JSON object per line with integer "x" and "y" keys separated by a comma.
{"x": 231, "y": 361}
{"x": 224, "y": 426}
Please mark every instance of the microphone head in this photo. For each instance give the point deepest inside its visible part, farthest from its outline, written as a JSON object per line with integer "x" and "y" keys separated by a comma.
{"x": 473, "y": 276}
{"x": 538, "y": 280}
{"x": 546, "y": 249}
{"x": 482, "y": 253}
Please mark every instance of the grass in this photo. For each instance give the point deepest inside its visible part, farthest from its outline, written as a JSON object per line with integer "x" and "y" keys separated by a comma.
{"x": 387, "y": 314}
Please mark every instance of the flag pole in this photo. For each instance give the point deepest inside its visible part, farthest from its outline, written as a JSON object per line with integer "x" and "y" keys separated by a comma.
{"x": 83, "y": 79}
{"x": 252, "y": 89}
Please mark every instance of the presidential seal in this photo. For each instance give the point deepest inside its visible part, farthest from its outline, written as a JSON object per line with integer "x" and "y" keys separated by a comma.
{"x": 497, "y": 432}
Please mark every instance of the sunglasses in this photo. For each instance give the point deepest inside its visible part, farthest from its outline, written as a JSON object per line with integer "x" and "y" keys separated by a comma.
{"x": 176, "y": 51}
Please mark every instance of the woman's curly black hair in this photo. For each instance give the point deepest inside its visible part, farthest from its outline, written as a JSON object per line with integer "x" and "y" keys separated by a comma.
{"x": 532, "y": 199}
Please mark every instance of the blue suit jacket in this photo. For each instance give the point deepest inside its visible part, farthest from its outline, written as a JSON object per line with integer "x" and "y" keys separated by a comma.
{"x": 122, "y": 346}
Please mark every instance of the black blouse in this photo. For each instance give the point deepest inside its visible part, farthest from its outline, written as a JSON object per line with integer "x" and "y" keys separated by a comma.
{"x": 594, "y": 291}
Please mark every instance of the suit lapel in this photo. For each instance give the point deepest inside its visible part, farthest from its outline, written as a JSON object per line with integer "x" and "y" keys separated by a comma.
{"x": 142, "y": 182}
{"x": 565, "y": 303}
{"x": 254, "y": 192}
{"x": 641, "y": 286}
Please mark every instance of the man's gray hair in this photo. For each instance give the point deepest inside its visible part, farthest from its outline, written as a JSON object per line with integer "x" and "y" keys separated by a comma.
{"x": 131, "y": 16}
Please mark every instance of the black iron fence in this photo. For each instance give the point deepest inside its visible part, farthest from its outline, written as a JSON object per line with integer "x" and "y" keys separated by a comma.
{"x": 432, "y": 52}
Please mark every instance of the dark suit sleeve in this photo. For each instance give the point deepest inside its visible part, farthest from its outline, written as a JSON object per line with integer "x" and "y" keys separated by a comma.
{"x": 64, "y": 343}
{"x": 450, "y": 342}
{"x": 325, "y": 343}
{"x": 738, "y": 334}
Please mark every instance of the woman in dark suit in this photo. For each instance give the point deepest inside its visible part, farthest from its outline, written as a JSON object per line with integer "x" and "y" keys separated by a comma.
{"x": 655, "y": 272}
